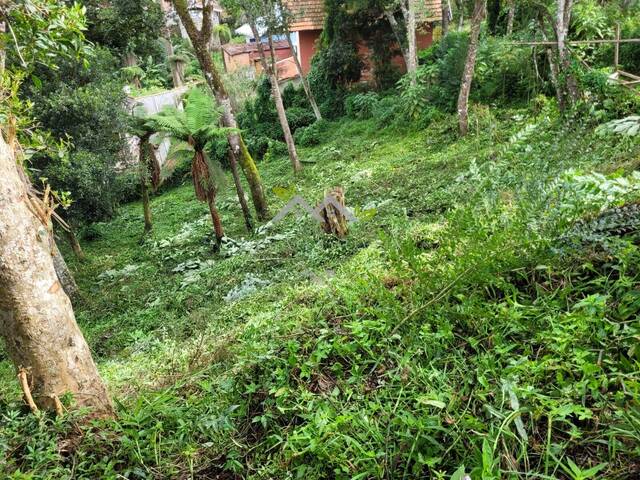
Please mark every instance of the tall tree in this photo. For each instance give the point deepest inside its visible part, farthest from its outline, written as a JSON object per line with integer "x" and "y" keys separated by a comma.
{"x": 238, "y": 150}
{"x": 36, "y": 316}
{"x": 271, "y": 70}
{"x": 469, "y": 66}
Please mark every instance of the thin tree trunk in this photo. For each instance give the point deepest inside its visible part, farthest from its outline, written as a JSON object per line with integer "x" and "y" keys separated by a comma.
{"x": 469, "y": 67}
{"x": 3, "y": 52}
{"x": 143, "y": 166}
{"x": 236, "y": 143}
{"x": 36, "y": 316}
{"x": 282, "y": 114}
{"x": 305, "y": 83}
{"x": 248, "y": 221}
{"x": 446, "y": 17}
{"x": 395, "y": 28}
{"x": 511, "y": 15}
{"x": 271, "y": 71}
{"x": 461, "y": 17}
{"x": 75, "y": 244}
{"x": 215, "y": 218}
{"x": 409, "y": 14}
{"x": 63, "y": 273}
{"x": 148, "y": 224}
{"x": 554, "y": 71}
{"x": 568, "y": 84}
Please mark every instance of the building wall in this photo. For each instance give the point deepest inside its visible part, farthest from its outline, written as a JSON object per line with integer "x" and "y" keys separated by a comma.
{"x": 308, "y": 44}
{"x": 237, "y": 62}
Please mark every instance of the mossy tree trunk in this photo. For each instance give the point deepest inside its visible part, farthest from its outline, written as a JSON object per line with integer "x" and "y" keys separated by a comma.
{"x": 469, "y": 66}
{"x": 214, "y": 81}
{"x": 36, "y": 317}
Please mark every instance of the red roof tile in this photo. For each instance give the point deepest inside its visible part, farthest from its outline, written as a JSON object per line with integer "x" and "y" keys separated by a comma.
{"x": 309, "y": 14}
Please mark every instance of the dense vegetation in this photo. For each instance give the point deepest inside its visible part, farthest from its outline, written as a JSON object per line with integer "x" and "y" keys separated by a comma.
{"x": 480, "y": 318}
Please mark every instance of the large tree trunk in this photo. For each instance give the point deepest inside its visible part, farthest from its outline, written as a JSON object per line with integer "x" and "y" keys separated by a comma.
{"x": 270, "y": 70}
{"x": 469, "y": 67}
{"x": 146, "y": 207}
{"x": 568, "y": 84}
{"x": 144, "y": 183}
{"x": 215, "y": 218}
{"x": 175, "y": 65}
{"x": 36, "y": 316}
{"x": 238, "y": 147}
{"x": 305, "y": 83}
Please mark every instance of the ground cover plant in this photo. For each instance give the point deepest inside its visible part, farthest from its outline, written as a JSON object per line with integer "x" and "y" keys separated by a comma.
{"x": 478, "y": 318}
{"x": 463, "y": 322}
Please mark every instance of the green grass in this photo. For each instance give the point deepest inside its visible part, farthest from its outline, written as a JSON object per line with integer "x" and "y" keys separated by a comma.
{"x": 455, "y": 326}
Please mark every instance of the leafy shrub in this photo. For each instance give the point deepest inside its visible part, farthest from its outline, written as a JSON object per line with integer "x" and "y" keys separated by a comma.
{"x": 311, "y": 135}
{"x": 299, "y": 117}
{"x": 361, "y": 105}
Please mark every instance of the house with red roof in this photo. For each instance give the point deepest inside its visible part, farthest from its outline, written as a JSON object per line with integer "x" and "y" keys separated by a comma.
{"x": 308, "y": 23}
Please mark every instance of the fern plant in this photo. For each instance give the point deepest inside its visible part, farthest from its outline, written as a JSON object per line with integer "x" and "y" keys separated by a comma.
{"x": 193, "y": 130}
{"x": 629, "y": 126}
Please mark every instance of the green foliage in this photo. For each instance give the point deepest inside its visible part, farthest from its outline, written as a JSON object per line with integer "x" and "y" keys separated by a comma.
{"x": 460, "y": 325}
{"x": 45, "y": 31}
{"x": 311, "y": 135}
{"x": 361, "y": 105}
{"x": 259, "y": 119}
{"x": 625, "y": 126}
{"x": 87, "y": 106}
{"x": 125, "y": 27}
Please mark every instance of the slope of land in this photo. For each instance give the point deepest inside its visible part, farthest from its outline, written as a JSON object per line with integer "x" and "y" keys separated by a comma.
{"x": 482, "y": 313}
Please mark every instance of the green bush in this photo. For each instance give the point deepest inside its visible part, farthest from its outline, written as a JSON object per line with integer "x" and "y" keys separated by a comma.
{"x": 311, "y": 135}
{"x": 299, "y": 117}
{"x": 361, "y": 105}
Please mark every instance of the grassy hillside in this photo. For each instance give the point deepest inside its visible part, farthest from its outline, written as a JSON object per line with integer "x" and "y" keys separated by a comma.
{"x": 481, "y": 317}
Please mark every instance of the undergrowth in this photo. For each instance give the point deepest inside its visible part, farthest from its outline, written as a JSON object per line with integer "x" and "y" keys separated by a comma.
{"x": 480, "y": 318}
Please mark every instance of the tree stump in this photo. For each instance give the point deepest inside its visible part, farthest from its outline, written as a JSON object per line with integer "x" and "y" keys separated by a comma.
{"x": 333, "y": 210}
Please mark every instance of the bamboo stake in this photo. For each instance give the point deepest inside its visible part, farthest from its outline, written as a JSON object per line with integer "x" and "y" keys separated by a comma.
{"x": 616, "y": 58}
